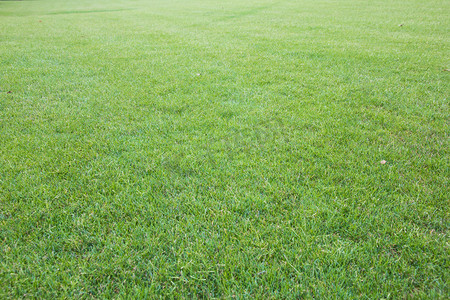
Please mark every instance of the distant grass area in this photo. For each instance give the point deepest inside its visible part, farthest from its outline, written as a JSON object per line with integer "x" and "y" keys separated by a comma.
{"x": 224, "y": 149}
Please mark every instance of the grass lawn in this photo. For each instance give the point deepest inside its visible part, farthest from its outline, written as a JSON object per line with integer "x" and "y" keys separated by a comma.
{"x": 224, "y": 149}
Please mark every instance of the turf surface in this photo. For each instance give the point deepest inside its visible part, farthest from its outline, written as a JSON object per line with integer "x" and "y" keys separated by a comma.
{"x": 226, "y": 149}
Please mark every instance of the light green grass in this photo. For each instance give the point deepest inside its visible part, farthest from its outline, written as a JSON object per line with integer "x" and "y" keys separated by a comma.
{"x": 226, "y": 149}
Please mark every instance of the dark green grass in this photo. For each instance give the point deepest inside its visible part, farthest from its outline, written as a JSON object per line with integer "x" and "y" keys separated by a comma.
{"x": 226, "y": 149}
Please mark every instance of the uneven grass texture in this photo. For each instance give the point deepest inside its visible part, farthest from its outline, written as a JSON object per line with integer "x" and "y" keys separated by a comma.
{"x": 224, "y": 149}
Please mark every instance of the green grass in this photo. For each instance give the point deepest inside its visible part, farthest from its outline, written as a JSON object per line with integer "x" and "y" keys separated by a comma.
{"x": 224, "y": 149}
